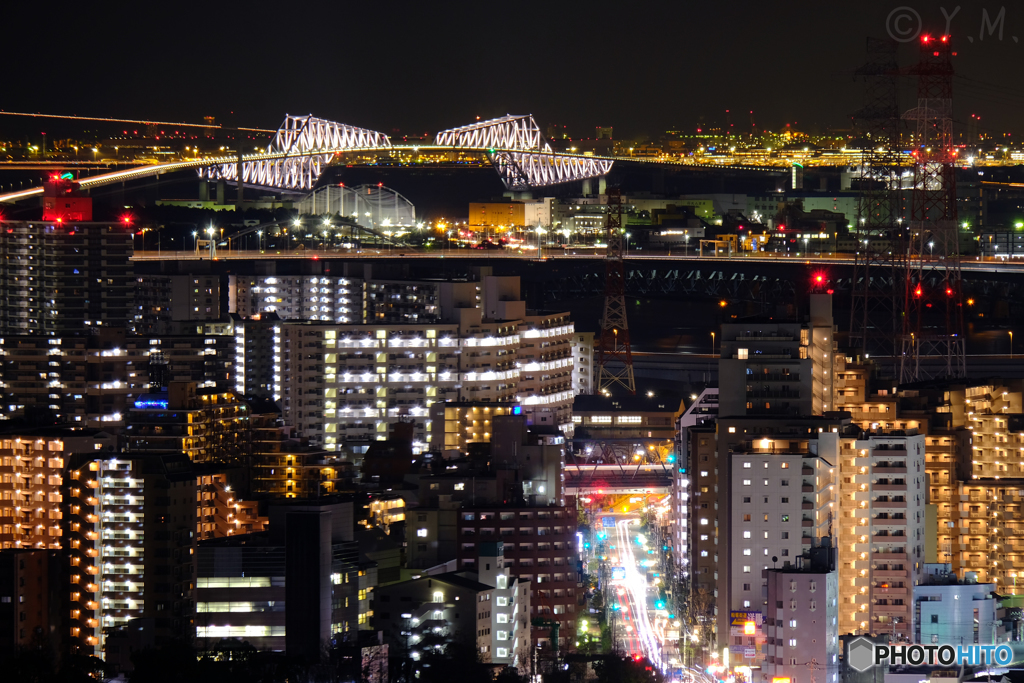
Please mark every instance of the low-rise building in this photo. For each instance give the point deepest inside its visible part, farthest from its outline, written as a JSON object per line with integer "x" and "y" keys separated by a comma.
{"x": 801, "y": 620}
{"x": 489, "y": 607}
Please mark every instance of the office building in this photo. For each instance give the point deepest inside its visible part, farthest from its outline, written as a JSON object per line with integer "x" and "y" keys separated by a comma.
{"x": 638, "y": 428}
{"x": 201, "y": 353}
{"x": 801, "y": 621}
{"x": 295, "y": 588}
{"x": 162, "y": 300}
{"x": 60, "y": 278}
{"x": 129, "y": 538}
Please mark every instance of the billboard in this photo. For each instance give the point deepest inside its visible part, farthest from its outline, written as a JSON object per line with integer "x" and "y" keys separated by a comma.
{"x": 745, "y": 623}
{"x": 618, "y": 573}
{"x": 608, "y": 522}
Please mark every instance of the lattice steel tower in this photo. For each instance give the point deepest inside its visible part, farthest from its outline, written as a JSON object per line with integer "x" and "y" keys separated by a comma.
{"x": 877, "y": 285}
{"x": 933, "y": 324}
{"x": 613, "y": 347}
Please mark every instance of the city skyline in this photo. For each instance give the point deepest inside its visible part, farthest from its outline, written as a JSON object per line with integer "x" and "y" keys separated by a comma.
{"x": 631, "y": 71}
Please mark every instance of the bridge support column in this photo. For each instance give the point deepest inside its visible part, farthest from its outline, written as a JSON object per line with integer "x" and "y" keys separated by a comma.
{"x": 221, "y": 191}
{"x": 602, "y": 185}
{"x": 587, "y": 187}
{"x": 204, "y": 190}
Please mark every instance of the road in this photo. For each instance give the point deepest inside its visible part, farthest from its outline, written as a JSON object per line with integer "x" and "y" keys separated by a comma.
{"x": 972, "y": 263}
{"x": 642, "y": 632}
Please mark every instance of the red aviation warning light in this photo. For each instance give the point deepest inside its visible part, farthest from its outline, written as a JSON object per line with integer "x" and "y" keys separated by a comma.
{"x": 917, "y": 292}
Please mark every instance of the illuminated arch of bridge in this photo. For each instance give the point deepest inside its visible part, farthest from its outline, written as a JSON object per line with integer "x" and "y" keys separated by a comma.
{"x": 305, "y": 145}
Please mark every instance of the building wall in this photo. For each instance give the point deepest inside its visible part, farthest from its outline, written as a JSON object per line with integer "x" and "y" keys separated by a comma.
{"x": 129, "y": 528}
{"x": 782, "y": 495}
{"x": 957, "y": 614}
{"x": 80, "y": 379}
{"x": 882, "y": 497}
{"x": 27, "y": 594}
{"x": 539, "y": 547}
{"x": 583, "y": 362}
{"x": 63, "y": 278}
{"x": 802, "y": 626}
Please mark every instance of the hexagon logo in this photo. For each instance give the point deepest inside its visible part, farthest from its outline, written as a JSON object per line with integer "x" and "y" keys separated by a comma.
{"x": 861, "y": 654}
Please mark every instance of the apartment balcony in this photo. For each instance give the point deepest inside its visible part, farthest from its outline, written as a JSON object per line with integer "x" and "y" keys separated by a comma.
{"x": 882, "y": 556}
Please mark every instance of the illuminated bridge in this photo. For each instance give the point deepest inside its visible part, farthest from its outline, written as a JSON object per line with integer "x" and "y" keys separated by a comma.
{"x": 305, "y": 145}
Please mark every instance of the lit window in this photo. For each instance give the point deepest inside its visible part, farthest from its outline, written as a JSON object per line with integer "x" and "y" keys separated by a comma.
{"x": 422, "y": 533}
{"x": 741, "y": 354}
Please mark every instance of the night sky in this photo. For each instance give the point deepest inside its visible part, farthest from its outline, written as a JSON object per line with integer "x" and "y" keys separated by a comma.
{"x": 641, "y": 67}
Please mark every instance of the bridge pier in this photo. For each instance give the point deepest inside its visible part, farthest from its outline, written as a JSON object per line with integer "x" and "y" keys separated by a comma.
{"x": 602, "y": 185}
{"x": 221, "y": 192}
{"x": 587, "y": 187}
{"x": 204, "y": 191}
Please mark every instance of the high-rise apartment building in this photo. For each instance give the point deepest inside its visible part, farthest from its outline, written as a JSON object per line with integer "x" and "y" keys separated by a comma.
{"x": 769, "y": 367}
{"x": 880, "y": 529}
{"x": 345, "y": 384}
{"x": 80, "y": 379}
{"x": 59, "y": 278}
{"x": 129, "y": 539}
{"x": 207, "y": 426}
{"x": 583, "y": 362}
{"x": 31, "y": 477}
{"x": 488, "y": 607}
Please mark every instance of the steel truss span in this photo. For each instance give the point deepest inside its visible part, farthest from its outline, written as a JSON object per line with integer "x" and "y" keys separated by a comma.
{"x": 508, "y": 132}
{"x": 303, "y": 136}
{"x": 524, "y": 170}
{"x": 520, "y": 154}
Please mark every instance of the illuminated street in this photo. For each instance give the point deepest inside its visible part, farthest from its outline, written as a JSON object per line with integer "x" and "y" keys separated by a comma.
{"x": 637, "y": 634}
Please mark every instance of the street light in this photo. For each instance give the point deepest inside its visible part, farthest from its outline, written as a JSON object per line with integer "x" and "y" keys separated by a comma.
{"x": 931, "y": 251}
{"x": 540, "y": 251}
{"x": 195, "y": 240}
{"x": 712, "y": 344}
{"x": 628, "y": 235}
{"x": 1011, "y": 344}
{"x": 259, "y": 240}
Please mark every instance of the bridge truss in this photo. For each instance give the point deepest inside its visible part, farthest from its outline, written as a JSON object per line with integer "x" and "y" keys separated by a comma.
{"x": 518, "y": 151}
{"x": 513, "y": 144}
{"x": 313, "y": 141}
